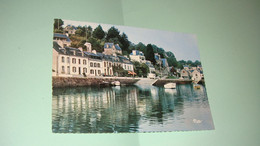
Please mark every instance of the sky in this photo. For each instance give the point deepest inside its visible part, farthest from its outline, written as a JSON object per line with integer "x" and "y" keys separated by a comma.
{"x": 184, "y": 46}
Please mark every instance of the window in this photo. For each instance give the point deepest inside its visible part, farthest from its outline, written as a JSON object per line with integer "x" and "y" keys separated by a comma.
{"x": 104, "y": 64}
{"x": 95, "y": 65}
{"x": 63, "y": 69}
{"x": 68, "y": 59}
{"x": 68, "y": 69}
{"x": 91, "y": 64}
{"x": 98, "y": 65}
{"x": 110, "y": 65}
{"x": 73, "y": 60}
{"x": 85, "y": 70}
{"x": 62, "y": 59}
{"x": 91, "y": 71}
{"x": 74, "y": 69}
{"x": 79, "y": 61}
{"x": 99, "y": 72}
{"x": 84, "y": 61}
{"x": 125, "y": 66}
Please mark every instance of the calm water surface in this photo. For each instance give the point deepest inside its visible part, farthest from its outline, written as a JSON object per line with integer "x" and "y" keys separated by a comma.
{"x": 130, "y": 109}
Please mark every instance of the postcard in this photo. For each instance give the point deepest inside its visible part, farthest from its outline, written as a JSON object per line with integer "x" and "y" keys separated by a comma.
{"x": 119, "y": 79}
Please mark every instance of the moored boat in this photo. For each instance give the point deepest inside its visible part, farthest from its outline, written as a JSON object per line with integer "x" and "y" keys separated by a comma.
{"x": 170, "y": 86}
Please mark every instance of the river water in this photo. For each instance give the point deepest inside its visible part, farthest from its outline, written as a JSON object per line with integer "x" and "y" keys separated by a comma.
{"x": 130, "y": 109}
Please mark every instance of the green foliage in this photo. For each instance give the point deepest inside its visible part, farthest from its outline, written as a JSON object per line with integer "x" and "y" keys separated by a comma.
{"x": 149, "y": 54}
{"x": 58, "y": 24}
{"x": 98, "y": 33}
{"x": 171, "y": 77}
{"x": 96, "y": 44}
{"x": 123, "y": 39}
{"x": 58, "y": 31}
{"x": 141, "y": 47}
{"x": 77, "y": 41}
{"x": 190, "y": 63}
{"x": 89, "y": 31}
{"x": 119, "y": 71}
{"x": 112, "y": 33}
{"x": 141, "y": 69}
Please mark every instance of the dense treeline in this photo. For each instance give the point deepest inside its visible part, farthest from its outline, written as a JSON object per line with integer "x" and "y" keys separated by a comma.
{"x": 97, "y": 37}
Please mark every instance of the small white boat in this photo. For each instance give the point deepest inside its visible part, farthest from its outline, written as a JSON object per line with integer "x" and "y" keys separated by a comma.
{"x": 170, "y": 86}
{"x": 117, "y": 83}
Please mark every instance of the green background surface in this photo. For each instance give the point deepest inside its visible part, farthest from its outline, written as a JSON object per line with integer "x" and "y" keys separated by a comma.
{"x": 229, "y": 40}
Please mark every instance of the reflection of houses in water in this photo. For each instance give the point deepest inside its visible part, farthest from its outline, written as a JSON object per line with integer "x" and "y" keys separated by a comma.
{"x": 95, "y": 109}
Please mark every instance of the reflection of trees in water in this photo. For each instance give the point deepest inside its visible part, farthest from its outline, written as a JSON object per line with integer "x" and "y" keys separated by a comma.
{"x": 95, "y": 110}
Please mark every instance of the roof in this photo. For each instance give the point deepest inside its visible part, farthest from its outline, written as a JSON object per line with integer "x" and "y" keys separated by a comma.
{"x": 57, "y": 47}
{"x": 117, "y": 47}
{"x": 124, "y": 60}
{"x": 58, "y": 35}
{"x": 110, "y": 45}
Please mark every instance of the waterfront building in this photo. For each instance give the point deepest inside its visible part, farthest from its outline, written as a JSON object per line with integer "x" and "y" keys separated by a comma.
{"x": 95, "y": 63}
{"x": 62, "y": 40}
{"x": 195, "y": 75}
{"x": 68, "y": 61}
{"x": 110, "y": 49}
{"x": 137, "y": 56}
{"x": 185, "y": 74}
{"x": 126, "y": 63}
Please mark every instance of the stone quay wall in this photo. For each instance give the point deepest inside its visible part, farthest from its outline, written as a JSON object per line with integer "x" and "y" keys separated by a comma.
{"x": 89, "y": 81}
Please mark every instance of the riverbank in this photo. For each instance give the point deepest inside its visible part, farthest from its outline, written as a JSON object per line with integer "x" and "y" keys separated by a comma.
{"x": 89, "y": 81}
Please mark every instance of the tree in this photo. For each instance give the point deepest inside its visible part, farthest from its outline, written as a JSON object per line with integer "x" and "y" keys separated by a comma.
{"x": 89, "y": 31}
{"x": 96, "y": 44}
{"x": 98, "y": 33}
{"x": 120, "y": 71}
{"x": 149, "y": 54}
{"x": 141, "y": 69}
{"x": 112, "y": 33}
{"x": 124, "y": 42}
{"x": 141, "y": 47}
{"x": 57, "y": 24}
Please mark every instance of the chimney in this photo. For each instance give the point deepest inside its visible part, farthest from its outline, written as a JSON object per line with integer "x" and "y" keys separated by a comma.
{"x": 81, "y": 50}
{"x": 94, "y": 51}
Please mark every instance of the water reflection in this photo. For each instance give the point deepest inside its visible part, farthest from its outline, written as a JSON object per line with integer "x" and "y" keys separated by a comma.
{"x": 129, "y": 109}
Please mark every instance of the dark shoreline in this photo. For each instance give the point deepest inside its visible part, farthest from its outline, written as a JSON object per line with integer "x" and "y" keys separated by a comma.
{"x": 89, "y": 81}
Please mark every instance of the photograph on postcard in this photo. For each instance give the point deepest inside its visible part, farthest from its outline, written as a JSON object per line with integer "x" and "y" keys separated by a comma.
{"x": 119, "y": 79}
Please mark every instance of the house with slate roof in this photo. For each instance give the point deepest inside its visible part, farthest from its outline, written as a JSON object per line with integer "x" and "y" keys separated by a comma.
{"x": 61, "y": 39}
{"x": 111, "y": 48}
{"x": 137, "y": 56}
{"x": 126, "y": 63}
{"x": 68, "y": 61}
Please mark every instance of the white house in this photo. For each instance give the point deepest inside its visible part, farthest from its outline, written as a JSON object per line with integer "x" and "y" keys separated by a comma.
{"x": 110, "y": 49}
{"x": 137, "y": 56}
{"x": 68, "y": 62}
{"x": 195, "y": 75}
{"x": 184, "y": 74}
{"x": 126, "y": 63}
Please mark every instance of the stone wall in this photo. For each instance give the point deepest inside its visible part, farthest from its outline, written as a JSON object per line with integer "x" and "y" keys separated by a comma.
{"x": 77, "y": 82}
